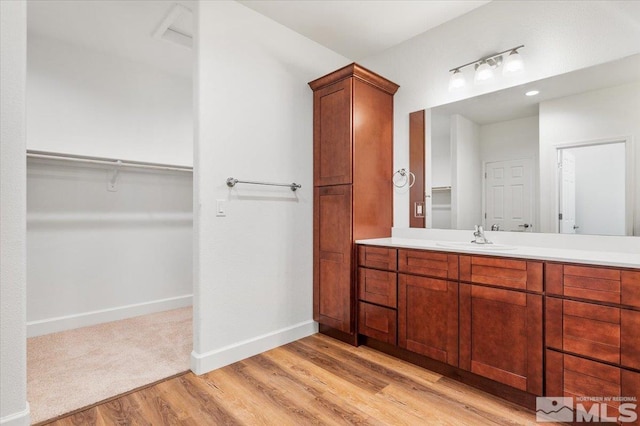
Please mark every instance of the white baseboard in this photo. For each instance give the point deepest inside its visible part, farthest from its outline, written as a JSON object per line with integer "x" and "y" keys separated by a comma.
{"x": 21, "y": 418}
{"x": 68, "y": 322}
{"x": 208, "y": 361}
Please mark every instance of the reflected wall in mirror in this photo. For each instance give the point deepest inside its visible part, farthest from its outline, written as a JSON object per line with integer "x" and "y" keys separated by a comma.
{"x": 561, "y": 160}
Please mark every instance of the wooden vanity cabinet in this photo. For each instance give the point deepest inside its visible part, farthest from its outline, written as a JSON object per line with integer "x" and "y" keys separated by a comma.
{"x": 592, "y": 322}
{"x": 332, "y": 251}
{"x": 605, "y": 333}
{"x": 428, "y": 317}
{"x": 353, "y": 198}
{"x": 576, "y": 377}
{"x": 428, "y": 304}
{"x": 377, "y": 293}
{"x": 501, "y": 334}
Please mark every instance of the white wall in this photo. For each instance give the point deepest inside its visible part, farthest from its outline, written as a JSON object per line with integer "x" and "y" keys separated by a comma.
{"x": 83, "y": 101}
{"x": 599, "y": 114}
{"x": 559, "y": 37}
{"x": 510, "y": 140}
{"x": 254, "y": 112}
{"x": 14, "y": 409}
{"x": 440, "y": 160}
{"x": 466, "y": 185}
{"x": 95, "y": 255}
{"x": 439, "y": 172}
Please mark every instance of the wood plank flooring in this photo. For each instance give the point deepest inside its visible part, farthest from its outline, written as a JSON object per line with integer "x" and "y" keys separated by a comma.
{"x": 313, "y": 381}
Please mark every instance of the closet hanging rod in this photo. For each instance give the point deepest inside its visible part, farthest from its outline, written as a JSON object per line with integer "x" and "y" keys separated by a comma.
{"x": 231, "y": 182}
{"x": 105, "y": 161}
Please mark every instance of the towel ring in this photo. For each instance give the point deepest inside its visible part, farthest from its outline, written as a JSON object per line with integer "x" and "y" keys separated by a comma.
{"x": 408, "y": 177}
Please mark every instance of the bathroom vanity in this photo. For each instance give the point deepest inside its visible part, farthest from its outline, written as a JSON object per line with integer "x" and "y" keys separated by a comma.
{"x": 519, "y": 322}
{"x": 532, "y": 326}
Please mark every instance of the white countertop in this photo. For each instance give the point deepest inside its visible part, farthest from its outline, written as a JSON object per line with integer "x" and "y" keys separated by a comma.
{"x": 607, "y": 258}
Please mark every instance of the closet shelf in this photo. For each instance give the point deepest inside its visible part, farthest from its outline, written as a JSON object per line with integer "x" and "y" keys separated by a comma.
{"x": 441, "y": 206}
{"x": 89, "y": 217}
{"x": 114, "y": 162}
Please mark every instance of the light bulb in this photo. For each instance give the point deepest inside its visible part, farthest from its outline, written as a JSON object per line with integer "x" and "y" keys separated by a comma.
{"x": 513, "y": 64}
{"x": 484, "y": 72}
{"x": 457, "y": 80}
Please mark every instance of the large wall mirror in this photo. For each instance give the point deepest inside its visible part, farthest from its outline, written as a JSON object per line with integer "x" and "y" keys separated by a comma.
{"x": 554, "y": 155}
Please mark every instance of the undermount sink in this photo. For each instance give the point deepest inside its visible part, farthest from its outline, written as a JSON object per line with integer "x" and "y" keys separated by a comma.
{"x": 465, "y": 245}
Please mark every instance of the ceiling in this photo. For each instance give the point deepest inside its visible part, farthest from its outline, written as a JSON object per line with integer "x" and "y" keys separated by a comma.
{"x": 124, "y": 28}
{"x": 357, "y": 29}
{"x": 353, "y": 28}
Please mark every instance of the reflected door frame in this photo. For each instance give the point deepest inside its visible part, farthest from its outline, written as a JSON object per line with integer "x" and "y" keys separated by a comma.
{"x": 629, "y": 177}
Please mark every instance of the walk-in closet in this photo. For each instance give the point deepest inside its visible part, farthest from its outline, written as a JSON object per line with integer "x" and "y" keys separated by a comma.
{"x": 109, "y": 199}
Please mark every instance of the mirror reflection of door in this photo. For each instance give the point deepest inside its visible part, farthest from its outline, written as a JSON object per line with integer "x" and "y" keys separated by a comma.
{"x": 590, "y": 202}
{"x": 567, "y": 192}
{"x": 509, "y": 195}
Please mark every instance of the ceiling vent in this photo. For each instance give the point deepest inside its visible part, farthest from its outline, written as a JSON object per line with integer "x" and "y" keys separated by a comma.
{"x": 177, "y": 26}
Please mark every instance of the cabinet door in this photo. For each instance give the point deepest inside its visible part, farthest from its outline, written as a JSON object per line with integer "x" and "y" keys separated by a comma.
{"x": 332, "y": 137}
{"x": 332, "y": 283}
{"x": 428, "y": 317}
{"x": 501, "y": 336}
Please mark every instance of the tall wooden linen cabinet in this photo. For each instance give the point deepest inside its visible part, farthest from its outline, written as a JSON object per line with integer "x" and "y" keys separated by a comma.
{"x": 353, "y": 195}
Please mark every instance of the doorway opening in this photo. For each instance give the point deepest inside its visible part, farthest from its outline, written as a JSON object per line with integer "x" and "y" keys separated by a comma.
{"x": 595, "y": 203}
{"x": 109, "y": 199}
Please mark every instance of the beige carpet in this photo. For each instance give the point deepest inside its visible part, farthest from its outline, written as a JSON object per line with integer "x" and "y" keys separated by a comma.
{"x": 76, "y": 368}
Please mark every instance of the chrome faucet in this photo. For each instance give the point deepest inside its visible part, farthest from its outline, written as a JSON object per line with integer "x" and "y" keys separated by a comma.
{"x": 479, "y": 236}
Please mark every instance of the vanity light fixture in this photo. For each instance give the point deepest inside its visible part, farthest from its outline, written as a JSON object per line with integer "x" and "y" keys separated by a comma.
{"x": 513, "y": 63}
{"x": 457, "y": 80}
{"x": 485, "y": 67}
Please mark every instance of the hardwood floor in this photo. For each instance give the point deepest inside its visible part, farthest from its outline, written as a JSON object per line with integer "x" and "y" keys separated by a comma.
{"x": 316, "y": 380}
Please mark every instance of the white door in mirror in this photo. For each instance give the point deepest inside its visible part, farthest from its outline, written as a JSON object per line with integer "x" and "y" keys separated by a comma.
{"x": 509, "y": 195}
{"x": 567, "y": 192}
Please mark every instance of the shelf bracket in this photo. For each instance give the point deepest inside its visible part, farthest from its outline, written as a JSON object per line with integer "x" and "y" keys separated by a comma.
{"x": 112, "y": 183}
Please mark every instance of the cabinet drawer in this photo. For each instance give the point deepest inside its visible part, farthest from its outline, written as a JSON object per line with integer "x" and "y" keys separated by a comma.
{"x": 502, "y": 272}
{"x": 599, "y": 284}
{"x": 602, "y": 332}
{"x": 428, "y": 263}
{"x": 377, "y": 322}
{"x": 571, "y": 376}
{"x": 377, "y": 257}
{"x": 377, "y": 287}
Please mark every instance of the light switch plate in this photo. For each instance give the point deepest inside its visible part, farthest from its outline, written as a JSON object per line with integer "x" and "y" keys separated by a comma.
{"x": 220, "y": 208}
